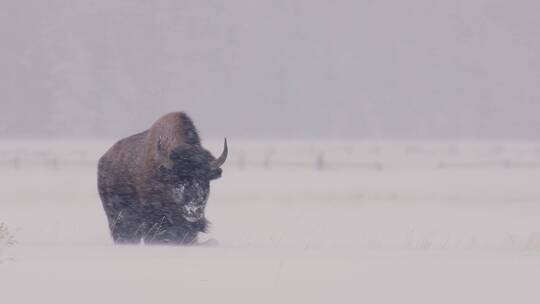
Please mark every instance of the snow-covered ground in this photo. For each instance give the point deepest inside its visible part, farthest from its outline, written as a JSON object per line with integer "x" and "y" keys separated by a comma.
{"x": 292, "y": 223}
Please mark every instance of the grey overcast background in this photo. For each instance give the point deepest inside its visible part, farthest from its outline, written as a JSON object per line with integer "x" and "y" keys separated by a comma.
{"x": 418, "y": 69}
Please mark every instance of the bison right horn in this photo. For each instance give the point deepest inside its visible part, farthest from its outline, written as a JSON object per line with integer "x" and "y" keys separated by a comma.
{"x": 221, "y": 159}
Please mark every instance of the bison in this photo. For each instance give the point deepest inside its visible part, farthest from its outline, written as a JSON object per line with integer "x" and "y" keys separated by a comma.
{"x": 154, "y": 185}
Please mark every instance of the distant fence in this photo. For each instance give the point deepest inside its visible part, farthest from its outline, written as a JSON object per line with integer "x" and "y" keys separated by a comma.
{"x": 317, "y": 156}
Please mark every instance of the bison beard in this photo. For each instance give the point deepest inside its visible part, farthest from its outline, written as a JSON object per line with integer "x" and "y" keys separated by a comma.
{"x": 154, "y": 185}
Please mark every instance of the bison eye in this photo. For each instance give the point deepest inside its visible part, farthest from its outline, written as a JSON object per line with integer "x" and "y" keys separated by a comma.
{"x": 214, "y": 174}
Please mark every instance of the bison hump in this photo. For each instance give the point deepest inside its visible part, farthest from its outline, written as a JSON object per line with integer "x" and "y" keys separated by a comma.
{"x": 176, "y": 127}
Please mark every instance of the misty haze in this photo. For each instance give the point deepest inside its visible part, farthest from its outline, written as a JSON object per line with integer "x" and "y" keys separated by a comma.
{"x": 272, "y": 69}
{"x": 377, "y": 151}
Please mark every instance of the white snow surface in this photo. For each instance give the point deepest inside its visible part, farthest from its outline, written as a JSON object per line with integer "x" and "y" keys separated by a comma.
{"x": 314, "y": 223}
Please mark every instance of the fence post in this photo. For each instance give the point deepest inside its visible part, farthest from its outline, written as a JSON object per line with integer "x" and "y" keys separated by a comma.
{"x": 320, "y": 162}
{"x": 54, "y": 163}
{"x": 16, "y": 162}
{"x": 241, "y": 160}
{"x": 267, "y": 156}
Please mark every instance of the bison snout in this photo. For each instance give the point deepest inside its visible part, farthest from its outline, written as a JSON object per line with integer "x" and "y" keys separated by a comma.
{"x": 193, "y": 213}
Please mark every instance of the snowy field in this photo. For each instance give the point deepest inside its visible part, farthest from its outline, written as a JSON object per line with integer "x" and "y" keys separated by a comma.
{"x": 309, "y": 222}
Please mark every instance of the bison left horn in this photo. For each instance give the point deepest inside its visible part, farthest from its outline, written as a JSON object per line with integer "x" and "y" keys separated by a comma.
{"x": 221, "y": 159}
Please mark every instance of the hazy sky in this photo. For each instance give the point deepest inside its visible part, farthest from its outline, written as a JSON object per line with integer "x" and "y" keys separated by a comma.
{"x": 272, "y": 69}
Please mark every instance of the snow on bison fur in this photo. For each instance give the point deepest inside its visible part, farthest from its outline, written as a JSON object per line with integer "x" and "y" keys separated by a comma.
{"x": 154, "y": 185}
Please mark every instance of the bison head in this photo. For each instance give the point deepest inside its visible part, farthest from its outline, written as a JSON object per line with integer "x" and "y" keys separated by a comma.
{"x": 188, "y": 170}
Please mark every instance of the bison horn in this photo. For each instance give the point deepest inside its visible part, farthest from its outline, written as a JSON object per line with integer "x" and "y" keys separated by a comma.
{"x": 221, "y": 159}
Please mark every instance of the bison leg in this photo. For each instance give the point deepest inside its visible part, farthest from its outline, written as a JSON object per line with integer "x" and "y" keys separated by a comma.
{"x": 170, "y": 235}
{"x": 161, "y": 230}
{"x": 124, "y": 219}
